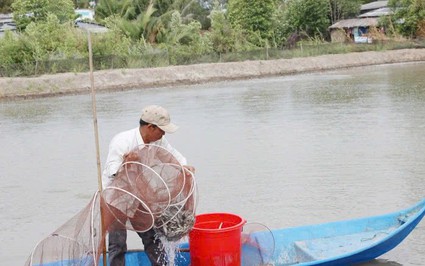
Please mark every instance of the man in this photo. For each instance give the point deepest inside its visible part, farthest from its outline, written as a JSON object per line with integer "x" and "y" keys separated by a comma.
{"x": 153, "y": 124}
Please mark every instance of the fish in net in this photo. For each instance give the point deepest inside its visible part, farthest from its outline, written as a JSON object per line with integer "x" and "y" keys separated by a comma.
{"x": 152, "y": 190}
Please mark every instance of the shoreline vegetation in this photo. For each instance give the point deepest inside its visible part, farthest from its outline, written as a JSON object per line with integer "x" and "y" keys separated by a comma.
{"x": 12, "y": 88}
{"x": 165, "y": 43}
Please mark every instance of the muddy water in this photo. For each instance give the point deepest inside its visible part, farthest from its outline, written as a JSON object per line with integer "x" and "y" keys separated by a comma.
{"x": 282, "y": 151}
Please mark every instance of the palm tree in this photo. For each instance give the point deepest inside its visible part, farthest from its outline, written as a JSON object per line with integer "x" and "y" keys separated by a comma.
{"x": 144, "y": 18}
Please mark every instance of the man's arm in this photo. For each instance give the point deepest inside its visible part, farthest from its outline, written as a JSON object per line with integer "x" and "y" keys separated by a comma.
{"x": 113, "y": 162}
{"x": 180, "y": 158}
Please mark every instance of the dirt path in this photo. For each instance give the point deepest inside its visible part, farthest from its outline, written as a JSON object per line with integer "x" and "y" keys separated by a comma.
{"x": 121, "y": 79}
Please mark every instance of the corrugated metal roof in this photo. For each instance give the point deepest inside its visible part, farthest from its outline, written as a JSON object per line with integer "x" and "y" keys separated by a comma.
{"x": 6, "y": 27}
{"x": 5, "y": 16}
{"x": 355, "y": 22}
{"x": 92, "y": 27}
{"x": 385, "y": 11}
{"x": 374, "y": 5}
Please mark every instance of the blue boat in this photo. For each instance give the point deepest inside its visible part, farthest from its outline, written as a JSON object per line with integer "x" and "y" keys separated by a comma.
{"x": 335, "y": 243}
{"x": 345, "y": 242}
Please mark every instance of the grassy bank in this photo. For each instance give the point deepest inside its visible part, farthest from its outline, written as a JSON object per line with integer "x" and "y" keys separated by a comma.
{"x": 139, "y": 78}
{"x": 164, "y": 58}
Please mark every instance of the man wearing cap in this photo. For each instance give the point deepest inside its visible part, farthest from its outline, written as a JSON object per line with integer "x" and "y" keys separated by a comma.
{"x": 153, "y": 124}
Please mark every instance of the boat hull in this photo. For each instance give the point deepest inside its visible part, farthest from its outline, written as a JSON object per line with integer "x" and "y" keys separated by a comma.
{"x": 345, "y": 242}
{"x": 336, "y": 243}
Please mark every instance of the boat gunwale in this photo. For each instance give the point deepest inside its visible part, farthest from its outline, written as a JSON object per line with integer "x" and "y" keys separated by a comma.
{"x": 418, "y": 210}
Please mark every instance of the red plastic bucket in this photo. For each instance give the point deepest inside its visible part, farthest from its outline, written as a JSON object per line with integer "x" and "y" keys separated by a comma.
{"x": 215, "y": 240}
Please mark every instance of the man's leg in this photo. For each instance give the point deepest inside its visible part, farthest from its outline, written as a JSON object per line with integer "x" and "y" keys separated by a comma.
{"x": 153, "y": 248}
{"x": 117, "y": 247}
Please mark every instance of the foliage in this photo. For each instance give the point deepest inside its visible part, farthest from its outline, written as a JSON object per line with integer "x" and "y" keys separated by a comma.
{"x": 184, "y": 40}
{"x": 308, "y": 16}
{"x": 147, "y": 18}
{"x": 140, "y": 27}
{"x": 194, "y": 11}
{"x": 146, "y": 33}
{"x": 223, "y": 37}
{"x": 253, "y": 17}
{"x": 126, "y": 9}
{"x": 5, "y": 6}
{"x": 15, "y": 56}
{"x": 115, "y": 41}
{"x": 221, "y": 32}
{"x": 343, "y": 9}
{"x": 82, "y": 3}
{"x": 408, "y": 16}
{"x": 51, "y": 40}
{"x": 42, "y": 43}
{"x": 189, "y": 10}
{"x": 27, "y": 11}
{"x": 211, "y": 4}
{"x": 14, "y": 50}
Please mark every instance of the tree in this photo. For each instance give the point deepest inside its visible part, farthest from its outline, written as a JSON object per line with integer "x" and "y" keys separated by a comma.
{"x": 141, "y": 26}
{"x": 184, "y": 41}
{"x": 5, "y": 6}
{"x": 222, "y": 35}
{"x": 343, "y": 9}
{"x": 81, "y": 3}
{"x": 126, "y": 9}
{"x": 253, "y": 17}
{"x": 221, "y": 32}
{"x": 211, "y": 4}
{"x": 147, "y": 18}
{"x": 308, "y": 16}
{"x": 409, "y": 16}
{"x": 50, "y": 39}
{"x": 27, "y": 11}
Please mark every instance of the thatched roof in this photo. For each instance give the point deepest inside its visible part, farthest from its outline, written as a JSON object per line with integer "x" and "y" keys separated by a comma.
{"x": 355, "y": 22}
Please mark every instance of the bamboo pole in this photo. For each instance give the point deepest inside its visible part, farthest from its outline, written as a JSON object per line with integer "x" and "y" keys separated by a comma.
{"x": 96, "y": 135}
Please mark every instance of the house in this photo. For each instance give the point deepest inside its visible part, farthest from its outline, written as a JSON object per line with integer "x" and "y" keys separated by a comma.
{"x": 85, "y": 21}
{"x": 356, "y": 29}
{"x": 84, "y": 14}
{"x": 6, "y": 23}
{"x": 91, "y": 26}
{"x": 373, "y": 6}
{"x": 383, "y": 11}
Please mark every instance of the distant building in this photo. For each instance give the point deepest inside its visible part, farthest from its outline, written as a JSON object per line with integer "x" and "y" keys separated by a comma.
{"x": 86, "y": 21}
{"x": 6, "y": 23}
{"x": 373, "y": 6}
{"x": 383, "y": 11}
{"x": 356, "y": 29}
{"x": 84, "y": 14}
{"x": 92, "y": 27}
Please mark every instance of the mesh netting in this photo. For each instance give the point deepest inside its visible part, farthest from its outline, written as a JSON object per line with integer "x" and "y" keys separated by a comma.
{"x": 153, "y": 190}
{"x": 258, "y": 245}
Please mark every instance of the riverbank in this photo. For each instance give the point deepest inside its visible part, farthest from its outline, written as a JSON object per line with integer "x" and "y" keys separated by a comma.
{"x": 122, "y": 79}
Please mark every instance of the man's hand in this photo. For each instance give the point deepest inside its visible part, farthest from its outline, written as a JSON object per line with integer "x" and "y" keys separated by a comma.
{"x": 191, "y": 169}
{"x": 132, "y": 157}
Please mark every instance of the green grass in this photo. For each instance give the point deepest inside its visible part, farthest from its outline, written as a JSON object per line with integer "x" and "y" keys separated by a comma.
{"x": 166, "y": 58}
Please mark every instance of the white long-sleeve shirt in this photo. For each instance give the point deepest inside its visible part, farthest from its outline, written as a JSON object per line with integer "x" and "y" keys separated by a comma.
{"x": 123, "y": 143}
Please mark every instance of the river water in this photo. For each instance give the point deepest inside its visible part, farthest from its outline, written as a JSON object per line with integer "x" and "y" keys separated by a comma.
{"x": 281, "y": 151}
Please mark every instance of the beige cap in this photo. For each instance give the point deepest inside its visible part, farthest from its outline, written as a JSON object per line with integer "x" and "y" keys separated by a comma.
{"x": 157, "y": 115}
